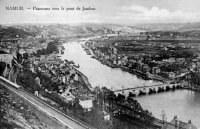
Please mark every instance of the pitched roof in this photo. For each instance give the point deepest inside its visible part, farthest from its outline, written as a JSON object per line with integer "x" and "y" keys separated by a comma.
{"x": 176, "y": 124}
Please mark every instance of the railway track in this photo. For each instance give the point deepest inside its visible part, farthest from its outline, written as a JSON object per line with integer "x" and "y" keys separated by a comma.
{"x": 40, "y": 104}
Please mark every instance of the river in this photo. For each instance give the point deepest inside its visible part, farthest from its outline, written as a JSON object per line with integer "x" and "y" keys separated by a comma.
{"x": 183, "y": 103}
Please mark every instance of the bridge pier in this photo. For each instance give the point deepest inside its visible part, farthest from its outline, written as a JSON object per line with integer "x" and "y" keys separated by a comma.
{"x": 173, "y": 87}
{"x": 136, "y": 92}
{"x": 142, "y": 92}
{"x": 167, "y": 88}
{"x": 147, "y": 90}
{"x": 160, "y": 89}
{"x": 131, "y": 94}
{"x": 180, "y": 86}
{"x": 152, "y": 90}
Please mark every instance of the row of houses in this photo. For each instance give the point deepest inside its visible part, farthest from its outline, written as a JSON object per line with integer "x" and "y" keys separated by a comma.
{"x": 69, "y": 80}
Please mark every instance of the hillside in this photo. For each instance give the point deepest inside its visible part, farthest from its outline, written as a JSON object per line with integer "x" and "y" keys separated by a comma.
{"x": 12, "y": 32}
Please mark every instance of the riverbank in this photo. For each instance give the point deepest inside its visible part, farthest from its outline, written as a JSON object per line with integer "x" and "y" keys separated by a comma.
{"x": 83, "y": 78}
{"x": 139, "y": 74}
{"x": 102, "y": 75}
{"x": 92, "y": 117}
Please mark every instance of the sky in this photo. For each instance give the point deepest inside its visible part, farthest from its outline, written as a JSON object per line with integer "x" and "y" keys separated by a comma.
{"x": 107, "y": 11}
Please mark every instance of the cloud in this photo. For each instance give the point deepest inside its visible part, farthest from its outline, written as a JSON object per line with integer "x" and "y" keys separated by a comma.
{"x": 153, "y": 12}
{"x": 35, "y": 1}
{"x": 107, "y": 11}
{"x": 156, "y": 14}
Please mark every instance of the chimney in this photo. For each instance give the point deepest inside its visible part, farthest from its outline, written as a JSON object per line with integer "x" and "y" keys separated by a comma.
{"x": 175, "y": 117}
{"x": 175, "y": 121}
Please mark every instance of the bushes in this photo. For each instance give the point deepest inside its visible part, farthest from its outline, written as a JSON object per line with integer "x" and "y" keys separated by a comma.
{"x": 51, "y": 47}
{"x": 58, "y": 99}
{"x": 27, "y": 79}
{"x": 12, "y": 32}
{"x": 2, "y": 67}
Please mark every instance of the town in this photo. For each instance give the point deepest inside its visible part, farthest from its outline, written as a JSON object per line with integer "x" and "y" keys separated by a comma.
{"x": 100, "y": 64}
{"x": 31, "y": 58}
{"x": 168, "y": 61}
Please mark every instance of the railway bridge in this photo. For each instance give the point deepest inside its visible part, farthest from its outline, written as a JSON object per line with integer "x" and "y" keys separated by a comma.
{"x": 141, "y": 90}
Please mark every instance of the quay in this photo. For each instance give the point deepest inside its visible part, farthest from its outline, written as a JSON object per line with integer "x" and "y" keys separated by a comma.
{"x": 83, "y": 78}
{"x": 136, "y": 72}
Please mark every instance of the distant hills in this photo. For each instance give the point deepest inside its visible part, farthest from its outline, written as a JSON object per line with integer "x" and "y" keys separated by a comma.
{"x": 64, "y": 30}
{"x": 12, "y": 32}
{"x": 167, "y": 26}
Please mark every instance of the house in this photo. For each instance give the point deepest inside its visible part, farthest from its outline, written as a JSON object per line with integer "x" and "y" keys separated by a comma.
{"x": 180, "y": 60}
{"x": 37, "y": 80}
{"x": 68, "y": 96}
{"x": 171, "y": 60}
{"x": 198, "y": 58}
{"x": 76, "y": 78}
{"x": 130, "y": 64}
{"x": 36, "y": 62}
{"x": 107, "y": 57}
{"x": 86, "y": 104}
{"x": 114, "y": 62}
{"x": 176, "y": 124}
{"x": 106, "y": 116}
{"x": 115, "y": 50}
{"x": 192, "y": 66}
{"x": 171, "y": 75}
{"x": 124, "y": 60}
{"x": 119, "y": 62}
{"x": 7, "y": 58}
{"x": 22, "y": 51}
{"x": 72, "y": 71}
{"x": 190, "y": 125}
{"x": 113, "y": 57}
{"x": 156, "y": 70}
{"x": 145, "y": 68}
{"x": 194, "y": 60}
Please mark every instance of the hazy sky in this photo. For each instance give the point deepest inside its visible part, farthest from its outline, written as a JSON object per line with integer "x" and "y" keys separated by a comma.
{"x": 107, "y": 11}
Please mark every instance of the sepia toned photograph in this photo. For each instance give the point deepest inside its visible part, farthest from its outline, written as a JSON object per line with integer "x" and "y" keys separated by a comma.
{"x": 99, "y": 64}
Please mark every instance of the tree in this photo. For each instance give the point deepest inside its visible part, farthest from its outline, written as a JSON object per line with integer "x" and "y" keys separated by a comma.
{"x": 2, "y": 67}
{"x": 27, "y": 79}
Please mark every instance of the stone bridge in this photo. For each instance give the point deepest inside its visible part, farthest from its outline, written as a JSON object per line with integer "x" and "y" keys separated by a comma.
{"x": 142, "y": 90}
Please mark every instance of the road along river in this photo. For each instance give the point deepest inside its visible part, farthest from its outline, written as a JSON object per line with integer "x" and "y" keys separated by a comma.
{"x": 183, "y": 103}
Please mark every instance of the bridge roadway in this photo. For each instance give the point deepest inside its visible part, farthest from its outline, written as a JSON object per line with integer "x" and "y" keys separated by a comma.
{"x": 41, "y": 105}
{"x": 149, "y": 87}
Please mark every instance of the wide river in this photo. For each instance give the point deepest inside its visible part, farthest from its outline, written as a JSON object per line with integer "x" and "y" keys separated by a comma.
{"x": 183, "y": 103}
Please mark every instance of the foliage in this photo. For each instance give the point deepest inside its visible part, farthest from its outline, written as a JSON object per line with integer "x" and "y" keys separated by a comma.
{"x": 3, "y": 101}
{"x": 51, "y": 47}
{"x": 195, "y": 78}
{"x": 2, "y": 67}
{"x": 12, "y": 32}
{"x": 27, "y": 79}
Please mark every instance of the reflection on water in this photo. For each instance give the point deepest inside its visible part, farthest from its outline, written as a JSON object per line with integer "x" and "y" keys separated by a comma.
{"x": 183, "y": 103}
